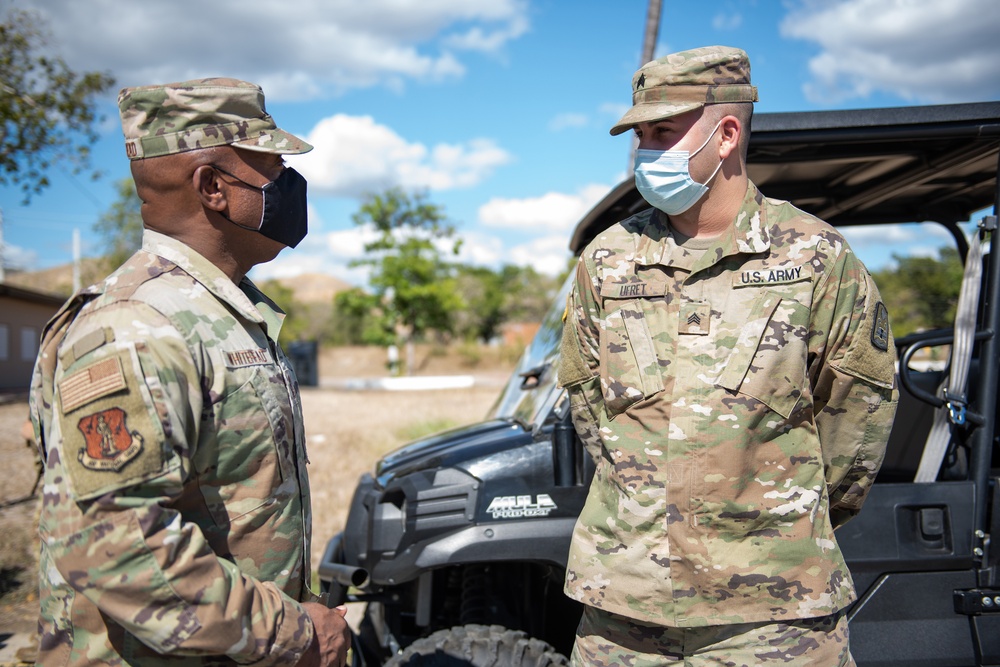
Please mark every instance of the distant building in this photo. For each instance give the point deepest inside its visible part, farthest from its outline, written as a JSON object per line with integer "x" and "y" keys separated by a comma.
{"x": 518, "y": 334}
{"x": 23, "y": 314}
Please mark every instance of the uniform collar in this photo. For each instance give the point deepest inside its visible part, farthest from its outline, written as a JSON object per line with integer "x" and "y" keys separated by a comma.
{"x": 244, "y": 298}
{"x": 747, "y": 235}
{"x": 654, "y": 244}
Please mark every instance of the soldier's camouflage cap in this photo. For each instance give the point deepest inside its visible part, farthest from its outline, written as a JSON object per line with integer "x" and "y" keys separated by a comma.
{"x": 190, "y": 115}
{"x": 685, "y": 81}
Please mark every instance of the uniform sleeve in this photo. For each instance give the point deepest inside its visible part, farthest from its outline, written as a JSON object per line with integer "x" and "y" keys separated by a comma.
{"x": 853, "y": 381}
{"x": 579, "y": 360}
{"x": 127, "y": 415}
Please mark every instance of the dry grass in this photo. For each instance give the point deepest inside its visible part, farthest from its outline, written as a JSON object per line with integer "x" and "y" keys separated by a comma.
{"x": 346, "y": 433}
{"x": 18, "y": 546}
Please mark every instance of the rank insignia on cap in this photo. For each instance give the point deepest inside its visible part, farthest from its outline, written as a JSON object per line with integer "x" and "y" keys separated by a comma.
{"x": 880, "y": 330}
{"x": 109, "y": 443}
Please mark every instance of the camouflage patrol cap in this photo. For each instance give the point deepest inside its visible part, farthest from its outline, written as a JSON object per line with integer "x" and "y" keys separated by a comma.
{"x": 685, "y": 81}
{"x": 190, "y": 115}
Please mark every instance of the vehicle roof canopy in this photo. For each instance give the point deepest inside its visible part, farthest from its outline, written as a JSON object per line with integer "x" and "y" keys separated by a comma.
{"x": 859, "y": 166}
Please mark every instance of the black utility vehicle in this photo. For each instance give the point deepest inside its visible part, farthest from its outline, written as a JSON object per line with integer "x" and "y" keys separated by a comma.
{"x": 458, "y": 542}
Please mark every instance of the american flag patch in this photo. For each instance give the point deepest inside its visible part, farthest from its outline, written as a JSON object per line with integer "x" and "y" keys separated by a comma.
{"x": 86, "y": 385}
{"x": 241, "y": 358}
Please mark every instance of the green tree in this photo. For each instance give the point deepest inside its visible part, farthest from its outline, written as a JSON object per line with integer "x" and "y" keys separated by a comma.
{"x": 493, "y": 298}
{"x": 528, "y": 294}
{"x": 411, "y": 278}
{"x": 46, "y": 108}
{"x": 921, "y": 292}
{"x": 297, "y": 323}
{"x": 482, "y": 290}
{"x": 359, "y": 319}
{"x": 120, "y": 227}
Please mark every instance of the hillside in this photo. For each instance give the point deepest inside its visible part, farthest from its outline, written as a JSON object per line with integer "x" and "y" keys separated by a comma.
{"x": 314, "y": 287}
{"x": 58, "y": 279}
{"x": 308, "y": 288}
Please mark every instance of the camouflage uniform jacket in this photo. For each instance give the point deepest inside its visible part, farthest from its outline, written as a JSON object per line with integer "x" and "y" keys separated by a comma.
{"x": 175, "y": 514}
{"x": 738, "y": 404}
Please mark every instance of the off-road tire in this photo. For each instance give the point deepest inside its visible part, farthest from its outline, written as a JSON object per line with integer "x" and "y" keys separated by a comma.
{"x": 478, "y": 646}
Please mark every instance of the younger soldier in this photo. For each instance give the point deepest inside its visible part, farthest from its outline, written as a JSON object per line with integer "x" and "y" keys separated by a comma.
{"x": 729, "y": 361}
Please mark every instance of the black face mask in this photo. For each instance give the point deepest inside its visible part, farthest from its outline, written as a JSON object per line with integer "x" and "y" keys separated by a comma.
{"x": 284, "y": 217}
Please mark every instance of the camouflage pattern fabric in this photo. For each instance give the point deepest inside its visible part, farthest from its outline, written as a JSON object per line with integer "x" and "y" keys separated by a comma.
{"x": 739, "y": 400}
{"x": 175, "y": 511}
{"x": 609, "y": 640}
{"x": 685, "y": 81}
{"x": 177, "y": 117}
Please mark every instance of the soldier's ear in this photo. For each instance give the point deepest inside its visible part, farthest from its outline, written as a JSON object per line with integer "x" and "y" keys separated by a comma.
{"x": 210, "y": 188}
{"x": 730, "y": 129}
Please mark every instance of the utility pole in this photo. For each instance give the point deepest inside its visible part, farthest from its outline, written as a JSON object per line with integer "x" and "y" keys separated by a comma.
{"x": 76, "y": 260}
{"x": 652, "y": 31}
{"x": 649, "y": 38}
{"x": 3, "y": 275}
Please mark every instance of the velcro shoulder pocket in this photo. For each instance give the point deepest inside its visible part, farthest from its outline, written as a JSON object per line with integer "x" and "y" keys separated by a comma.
{"x": 110, "y": 434}
{"x": 871, "y": 355}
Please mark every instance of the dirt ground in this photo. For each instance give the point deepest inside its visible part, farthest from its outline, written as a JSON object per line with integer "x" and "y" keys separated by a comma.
{"x": 346, "y": 433}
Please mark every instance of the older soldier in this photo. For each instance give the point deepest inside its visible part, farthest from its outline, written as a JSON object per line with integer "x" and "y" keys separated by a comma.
{"x": 175, "y": 520}
{"x": 730, "y": 365}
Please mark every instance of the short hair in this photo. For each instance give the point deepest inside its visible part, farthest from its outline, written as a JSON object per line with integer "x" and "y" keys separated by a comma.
{"x": 743, "y": 111}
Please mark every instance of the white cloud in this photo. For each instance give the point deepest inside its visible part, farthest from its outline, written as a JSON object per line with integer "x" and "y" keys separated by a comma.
{"x": 548, "y": 255}
{"x": 615, "y": 109}
{"x": 295, "y": 50}
{"x": 919, "y": 50}
{"x": 355, "y": 155}
{"x": 18, "y": 258}
{"x": 553, "y": 211}
{"x": 333, "y": 252}
{"x": 348, "y": 244}
{"x": 330, "y": 253}
{"x": 727, "y": 22}
{"x": 876, "y": 244}
{"x": 478, "y": 39}
{"x": 572, "y": 120}
{"x": 566, "y": 121}
{"x": 292, "y": 263}
{"x": 481, "y": 250}
{"x": 890, "y": 235}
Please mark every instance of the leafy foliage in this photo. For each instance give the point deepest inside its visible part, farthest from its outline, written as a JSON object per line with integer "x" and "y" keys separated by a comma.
{"x": 358, "y": 319}
{"x": 45, "y": 107}
{"x": 413, "y": 284}
{"x": 482, "y": 291}
{"x": 296, "y": 324}
{"x": 120, "y": 227}
{"x": 493, "y": 298}
{"x": 921, "y": 292}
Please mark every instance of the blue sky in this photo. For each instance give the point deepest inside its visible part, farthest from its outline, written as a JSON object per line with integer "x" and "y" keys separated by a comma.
{"x": 499, "y": 109}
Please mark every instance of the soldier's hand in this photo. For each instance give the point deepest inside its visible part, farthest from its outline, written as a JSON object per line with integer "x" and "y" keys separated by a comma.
{"x": 331, "y": 637}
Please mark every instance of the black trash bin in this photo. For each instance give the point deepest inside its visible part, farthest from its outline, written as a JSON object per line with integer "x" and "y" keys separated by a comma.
{"x": 303, "y": 356}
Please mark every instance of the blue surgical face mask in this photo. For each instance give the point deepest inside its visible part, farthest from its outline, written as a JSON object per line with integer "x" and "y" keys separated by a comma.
{"x": 284, "y": 217}
{"x": 663, "y": 178}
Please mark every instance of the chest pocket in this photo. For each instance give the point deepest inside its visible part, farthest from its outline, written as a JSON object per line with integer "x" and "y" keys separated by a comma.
{"x": 248, "y": 454}
{"x": 768, "y": 359}
{"x": 629, "y": 367}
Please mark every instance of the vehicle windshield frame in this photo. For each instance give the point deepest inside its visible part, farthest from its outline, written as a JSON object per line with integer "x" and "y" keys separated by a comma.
{"x": 532, "y": 405}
